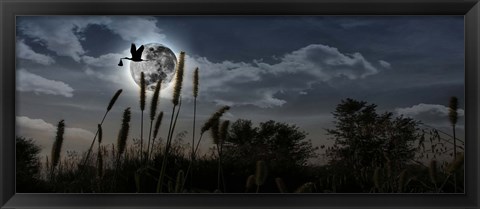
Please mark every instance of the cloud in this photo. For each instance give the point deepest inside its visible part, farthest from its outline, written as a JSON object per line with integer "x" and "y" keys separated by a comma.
{"x": 113, "y": 77}
{"x": 57, "y": 34}
{"x": 105, "y": 67}
{"x": 34, "y": 124}
{"x": 29, "y": 82}
{"x": 44, "y": 134}
{"x": 426, "y": 108}
{"x": 106, "y": 60}
{"x": 25, "y": 52}
{"x": 384, "y": 64}
{"x": 324, "y": 62}
{"x": 261, "y": 84}
{"x": 433, "y": 114}
{"x": 63, "y": 35}
{"x": 141, "y": 29}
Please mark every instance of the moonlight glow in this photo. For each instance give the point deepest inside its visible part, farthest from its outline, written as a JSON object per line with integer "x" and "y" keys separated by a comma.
{"x": 160, "y": 65}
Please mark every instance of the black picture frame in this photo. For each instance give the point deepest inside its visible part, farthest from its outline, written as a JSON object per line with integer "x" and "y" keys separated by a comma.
{"x": 9, "y": 9}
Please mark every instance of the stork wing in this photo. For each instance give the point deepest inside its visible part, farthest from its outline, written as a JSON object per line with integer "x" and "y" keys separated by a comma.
{"x": 140, "y": 50}
{"x": 133, "y": 49}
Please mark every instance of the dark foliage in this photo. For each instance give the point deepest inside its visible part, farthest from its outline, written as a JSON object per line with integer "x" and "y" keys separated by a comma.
{"x": 28, "y": 166}
{"x": 365, "y": 139}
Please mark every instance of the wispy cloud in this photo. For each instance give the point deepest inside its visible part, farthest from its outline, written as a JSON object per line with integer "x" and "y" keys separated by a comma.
{"x": 29, "y": 82}
{"x": 384, "y": 64}
{"x": 259, "y": 83}
{"x": 433, "y": 114}
{"x": 106, "y": 60}
{"x": 418, "y": 109}
{"x": 25, "y": 52}
{"x": 63, "y": 35}
{"x": 110, "y": 76}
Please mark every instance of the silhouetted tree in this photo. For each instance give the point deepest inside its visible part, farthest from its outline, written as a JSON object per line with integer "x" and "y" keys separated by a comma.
{"x": 27, "y": 165}
{"x": 364, "y": 139}
{"x": 283, "y": 147}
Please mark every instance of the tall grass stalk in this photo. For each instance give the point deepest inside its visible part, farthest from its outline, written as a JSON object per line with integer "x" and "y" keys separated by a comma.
{"x": 179, "y": 183}
{"x": 153, "y": 112}
{"x": 109, "y": 107}
{"x": 142, "y": 108}
{"x": 100, "y": 135}
{"x": 175, "y": 100}
{"x": 123, "y": 134}
{"x": 453, "y": 117}
{"x": 195, "y": 95}
{"x": 122, "y": 141}
{"x": 281, "y": 185}
{"x": 99, "y": 155}
{"x": 216, "y": 140}
{"x": 57, "y": 147}
{"x": 250, "y": 183}
{"x": 206, "y": 126}
{"x": 223, "y": 135}
{"x": 452, "y": 168}
{"x": 158, "y": 123}
{"x": 261, "y": 173}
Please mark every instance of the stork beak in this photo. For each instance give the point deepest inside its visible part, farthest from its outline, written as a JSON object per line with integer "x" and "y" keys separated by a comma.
{"x": 120, "y": 63}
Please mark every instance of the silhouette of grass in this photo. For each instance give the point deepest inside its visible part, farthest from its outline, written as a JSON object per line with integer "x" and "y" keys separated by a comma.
{"x": 176, "y": 101}
{"x": 153, "y": 112}
{"x": 109, "y": 107}
{"x": 142, "y": 108}
{"x": 57, "y": 146}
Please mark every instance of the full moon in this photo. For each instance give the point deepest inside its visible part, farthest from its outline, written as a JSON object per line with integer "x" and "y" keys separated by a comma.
{"x": 160, "y": 64}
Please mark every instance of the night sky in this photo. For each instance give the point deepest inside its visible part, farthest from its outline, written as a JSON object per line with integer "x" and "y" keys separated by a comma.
{"x": 293, "y": 69}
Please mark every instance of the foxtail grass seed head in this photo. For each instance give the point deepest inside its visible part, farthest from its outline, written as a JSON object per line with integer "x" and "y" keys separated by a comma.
{"x": 224, "y": 131}
{"x": 142, "y": 91}
{"x": 432, "y": 171}
{"x": 250, "y": 182}
{"x": 179, "y": 183}
{"x": 195, "y": 83}
{"x": 157, "y": 124}
{"x": 57, "y": 144}
{"x": 306, "y": 188}
{"x": 452, "y": 110}
{"x": 178, "y": 79}
{"x": 156, "y": 94}
{"x": 261, "y": 173}
{"x": 100, "y": 134}
{"x": 213, "y": 118}
{"x": 123, "y": 133}
{"x": 456, "y": 164}
{"x": 114, "y": 99}
{"x": 281, "y": 185}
